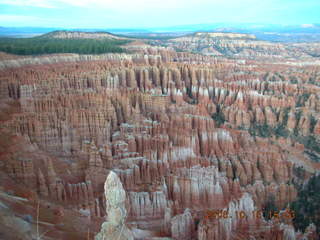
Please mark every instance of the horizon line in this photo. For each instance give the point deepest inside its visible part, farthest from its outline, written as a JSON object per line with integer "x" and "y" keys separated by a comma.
{"x": 260, "y": 25}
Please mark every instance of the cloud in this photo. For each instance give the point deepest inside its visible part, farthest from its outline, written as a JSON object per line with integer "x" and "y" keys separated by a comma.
{"x": 307, "y": 25}
{"x": 26, "y": 20}
{"x": 17, "y": 18}
{"x": 121, "y": 5}
{"x": 160, "y": 13}
{"x": 31, "y": 3}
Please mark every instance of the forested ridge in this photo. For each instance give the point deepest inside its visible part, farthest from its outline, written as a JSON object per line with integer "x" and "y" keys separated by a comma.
{"x": 41, "y": 45}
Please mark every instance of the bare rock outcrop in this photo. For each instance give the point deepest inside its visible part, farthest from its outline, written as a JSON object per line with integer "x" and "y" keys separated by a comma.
{"x": 180, "y": 131}
{"x": 114, "y": 227}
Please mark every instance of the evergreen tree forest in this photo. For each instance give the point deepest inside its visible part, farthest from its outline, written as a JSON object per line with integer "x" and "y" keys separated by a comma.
{"x": 41, "y": 45}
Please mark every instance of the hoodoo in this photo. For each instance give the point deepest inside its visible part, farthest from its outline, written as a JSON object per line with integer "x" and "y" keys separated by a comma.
{"x": 114, "y": 227}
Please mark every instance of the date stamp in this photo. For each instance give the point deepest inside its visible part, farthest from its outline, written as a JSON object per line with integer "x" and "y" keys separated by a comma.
{"x": 218, "y": 214}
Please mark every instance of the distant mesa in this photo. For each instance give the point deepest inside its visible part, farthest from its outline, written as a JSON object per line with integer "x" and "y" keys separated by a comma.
{"x": 225, "y": 35}
{"x": 82, "y": 35}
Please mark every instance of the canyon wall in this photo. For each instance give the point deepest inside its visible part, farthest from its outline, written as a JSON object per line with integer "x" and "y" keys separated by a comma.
{"x": 185, "y": 134}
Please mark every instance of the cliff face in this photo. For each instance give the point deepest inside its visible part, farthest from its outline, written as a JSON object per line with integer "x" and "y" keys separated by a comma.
{"x": 184, "y": 133}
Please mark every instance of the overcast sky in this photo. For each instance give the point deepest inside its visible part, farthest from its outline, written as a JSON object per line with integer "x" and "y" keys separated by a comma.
{"x": 154, "y": 13}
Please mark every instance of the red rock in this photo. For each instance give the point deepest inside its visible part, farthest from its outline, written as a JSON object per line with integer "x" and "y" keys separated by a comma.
{"x": 148, "y": 117}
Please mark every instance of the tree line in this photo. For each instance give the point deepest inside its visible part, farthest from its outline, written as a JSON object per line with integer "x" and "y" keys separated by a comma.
{"x": 38, "y": 45}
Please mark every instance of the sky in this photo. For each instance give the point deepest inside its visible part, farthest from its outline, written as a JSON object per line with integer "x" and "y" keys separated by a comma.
{"x": 154, "y": 13}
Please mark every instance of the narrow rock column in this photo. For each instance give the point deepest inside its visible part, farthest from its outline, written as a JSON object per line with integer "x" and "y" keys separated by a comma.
{"x": 114, "y": 228}
{"x": 182, "y": 226}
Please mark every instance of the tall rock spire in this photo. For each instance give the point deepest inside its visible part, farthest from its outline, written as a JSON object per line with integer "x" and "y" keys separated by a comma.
{"x": 114, "y": 227}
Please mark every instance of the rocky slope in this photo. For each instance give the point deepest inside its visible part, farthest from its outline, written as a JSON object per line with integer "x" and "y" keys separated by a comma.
{"x": 242, "y": 46}
{"x": 186, "y": 134}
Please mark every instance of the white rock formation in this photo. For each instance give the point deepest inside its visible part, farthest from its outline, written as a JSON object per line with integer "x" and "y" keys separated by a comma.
{"x": 114, "y": 228}
{"x": 182, "y": 226}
